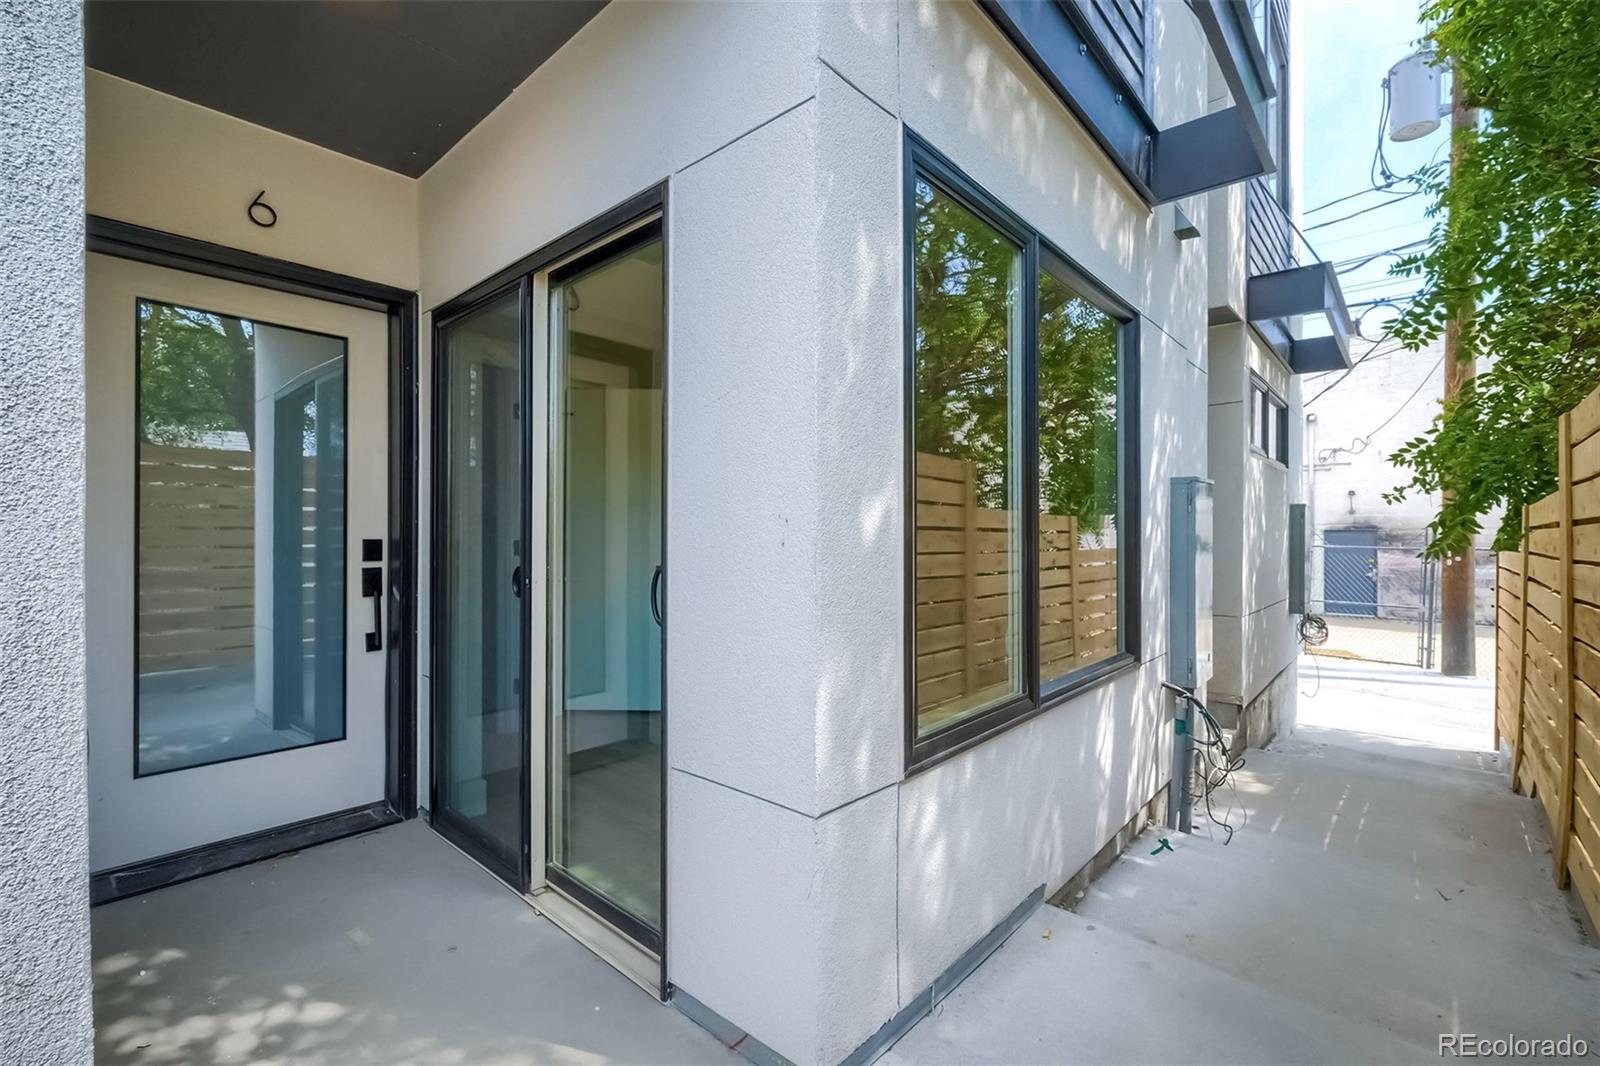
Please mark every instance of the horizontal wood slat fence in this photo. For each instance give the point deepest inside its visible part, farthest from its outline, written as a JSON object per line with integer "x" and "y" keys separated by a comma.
{"x": 197, "y": 557}
{"x": 1547, "y": 656}
{"x": 964, "y": 579}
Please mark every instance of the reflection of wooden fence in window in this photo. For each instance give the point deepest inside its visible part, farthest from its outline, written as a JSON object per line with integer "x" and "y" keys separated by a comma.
{"x": 197, "y": 541}
{"x": 196, "y": 557}
{"x": 963, "y": 594}
{"x": 1547, "y": 662}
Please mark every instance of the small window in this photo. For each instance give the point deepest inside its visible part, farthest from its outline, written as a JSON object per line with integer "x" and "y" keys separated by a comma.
{"x": 1269, "y": 422}
{"x": 1021, "y": 458}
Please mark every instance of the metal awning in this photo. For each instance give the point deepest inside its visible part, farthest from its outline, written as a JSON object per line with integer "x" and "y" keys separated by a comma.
{"x": 1206, "y": 153}
{"x": 1303, "y": 290}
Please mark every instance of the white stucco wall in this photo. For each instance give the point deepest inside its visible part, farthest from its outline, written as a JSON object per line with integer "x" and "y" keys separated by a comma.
{"x": 979, "y": 831}
{"x": 45, "y": 1004}
{"x": 1255, "y": 637}
{"x": 158, "y": 161}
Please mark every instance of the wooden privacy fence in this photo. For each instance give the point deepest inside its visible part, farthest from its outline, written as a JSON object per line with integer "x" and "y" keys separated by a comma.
{"x": 1547, "y": 659}
{"x": 197, "y": 557}
{"x": 965, "y": 571}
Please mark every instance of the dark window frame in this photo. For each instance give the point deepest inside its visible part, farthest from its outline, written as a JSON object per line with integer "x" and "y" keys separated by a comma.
{"x": 922, "y": 162}
{"x": 1269, "y": 425}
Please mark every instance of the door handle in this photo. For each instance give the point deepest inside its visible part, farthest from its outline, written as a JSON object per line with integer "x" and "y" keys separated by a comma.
{"x": 372, "y": 589}
{"x": 655, "y": 587}
{"x": 516, "y": 582}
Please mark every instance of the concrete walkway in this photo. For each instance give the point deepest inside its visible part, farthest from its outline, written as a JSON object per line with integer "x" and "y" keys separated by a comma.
{"x": 1384, "y": 887}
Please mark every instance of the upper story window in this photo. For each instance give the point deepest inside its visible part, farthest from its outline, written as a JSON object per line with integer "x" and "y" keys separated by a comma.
{"x": 1021, "y": 456}
{"x": 1269, "y": 20}
{"x": 1269, "y": 422}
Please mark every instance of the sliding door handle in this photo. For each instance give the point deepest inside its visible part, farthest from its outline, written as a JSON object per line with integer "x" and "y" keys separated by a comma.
{"x": 516, "y": 582}
{"x": 655, "y": 589}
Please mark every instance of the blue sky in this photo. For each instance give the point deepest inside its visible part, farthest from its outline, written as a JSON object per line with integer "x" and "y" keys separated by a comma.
{"x": 1345, "y": 49}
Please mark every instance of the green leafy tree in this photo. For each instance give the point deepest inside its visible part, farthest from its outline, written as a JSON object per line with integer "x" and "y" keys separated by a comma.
{"x": 196, "y": 375}
{"x": 1514, "y": 254}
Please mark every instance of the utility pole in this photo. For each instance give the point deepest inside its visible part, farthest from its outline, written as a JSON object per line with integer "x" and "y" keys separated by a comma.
{"x": 1457, "y": 577}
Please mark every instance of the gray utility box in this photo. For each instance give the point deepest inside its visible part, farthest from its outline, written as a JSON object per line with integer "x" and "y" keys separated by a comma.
{"x": 1189, "y": 656}
{"x": 1297, "y": 558}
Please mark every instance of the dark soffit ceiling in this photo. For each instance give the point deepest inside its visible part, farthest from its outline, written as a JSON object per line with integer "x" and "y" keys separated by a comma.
{"x": 393, "y": 83}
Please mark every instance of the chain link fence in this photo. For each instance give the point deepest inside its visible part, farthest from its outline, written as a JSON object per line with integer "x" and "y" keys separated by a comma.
{"x": 1380, "y": 598}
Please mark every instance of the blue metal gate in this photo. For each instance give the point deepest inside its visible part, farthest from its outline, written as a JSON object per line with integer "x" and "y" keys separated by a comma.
{"x": 1350, "y": 572}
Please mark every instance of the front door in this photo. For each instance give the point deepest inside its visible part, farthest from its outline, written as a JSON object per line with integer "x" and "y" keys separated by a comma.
{"x": 237, "y": 496}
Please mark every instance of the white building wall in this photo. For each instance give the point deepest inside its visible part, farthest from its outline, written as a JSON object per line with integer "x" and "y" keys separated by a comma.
{"x": 784, "y": 454}
{"x": 45, "y": 996}
{"x": 161, "y": 162}
{"x": 1254, "y": 631}
{"x": 1030, "y": 807}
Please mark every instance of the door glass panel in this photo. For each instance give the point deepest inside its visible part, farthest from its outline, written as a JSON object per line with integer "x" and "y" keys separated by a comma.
{"x": 605, "y": 793}
{"x": 482, "y": 739}
{"x": 241, "y": 457}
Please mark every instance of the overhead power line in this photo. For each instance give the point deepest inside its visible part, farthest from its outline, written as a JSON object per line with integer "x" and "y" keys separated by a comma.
{"x": 1384, "y": 188}
{"x": 1354, "y": 214}
{"x": 1355, "y": 262}
{"x": 1368, "y": 354}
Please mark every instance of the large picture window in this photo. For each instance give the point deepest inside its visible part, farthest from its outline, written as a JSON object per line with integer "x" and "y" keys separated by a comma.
{"x": 1020, "y": 392}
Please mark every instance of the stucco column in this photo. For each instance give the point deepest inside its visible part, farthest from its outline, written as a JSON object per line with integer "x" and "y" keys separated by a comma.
{"x": 45, "y": 1003}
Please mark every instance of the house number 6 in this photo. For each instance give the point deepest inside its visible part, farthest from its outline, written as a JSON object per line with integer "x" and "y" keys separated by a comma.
{"x": 262, "y": 213}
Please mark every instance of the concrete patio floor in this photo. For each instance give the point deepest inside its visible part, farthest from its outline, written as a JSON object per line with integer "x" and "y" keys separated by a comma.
{"x": 387, "y": 948}
{"x": 1385, "y": 887}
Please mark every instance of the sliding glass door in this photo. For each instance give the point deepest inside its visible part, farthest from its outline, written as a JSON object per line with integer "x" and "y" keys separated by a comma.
{"x": 608, "y": 348}
{"x": 480, "y": 733}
